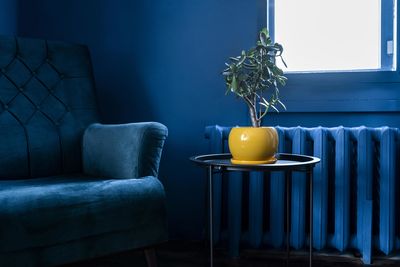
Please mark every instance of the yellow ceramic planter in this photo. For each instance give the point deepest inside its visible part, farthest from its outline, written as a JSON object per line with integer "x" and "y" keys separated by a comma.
{"x": 253, "y": 145}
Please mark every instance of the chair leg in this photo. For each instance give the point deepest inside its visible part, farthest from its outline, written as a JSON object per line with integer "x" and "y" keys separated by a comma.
{"x": 151, "y": 258}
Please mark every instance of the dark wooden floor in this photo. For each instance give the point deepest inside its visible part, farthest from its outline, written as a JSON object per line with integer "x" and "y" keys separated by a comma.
{"x": 195, "y": 254}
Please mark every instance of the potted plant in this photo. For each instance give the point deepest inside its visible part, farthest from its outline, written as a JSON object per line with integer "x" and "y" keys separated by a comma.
{"x": 254, "y": 77}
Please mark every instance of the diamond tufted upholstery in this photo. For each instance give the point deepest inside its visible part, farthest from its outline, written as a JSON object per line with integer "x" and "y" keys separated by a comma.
{"x": 46, "y": 102}
{"x": 71, "y": 188}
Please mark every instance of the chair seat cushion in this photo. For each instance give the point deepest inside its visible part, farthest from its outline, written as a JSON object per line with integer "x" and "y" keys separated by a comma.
{"x": 51, "y": 210}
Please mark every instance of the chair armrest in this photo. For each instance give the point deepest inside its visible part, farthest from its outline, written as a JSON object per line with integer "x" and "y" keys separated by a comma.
{"x": 130, "y": 150}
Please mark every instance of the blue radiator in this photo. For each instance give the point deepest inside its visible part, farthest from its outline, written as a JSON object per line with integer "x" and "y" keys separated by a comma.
{"x": 356, "y": 203}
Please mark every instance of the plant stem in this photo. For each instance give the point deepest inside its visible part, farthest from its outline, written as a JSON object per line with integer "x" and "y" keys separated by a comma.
{"x": 253, "y": 115}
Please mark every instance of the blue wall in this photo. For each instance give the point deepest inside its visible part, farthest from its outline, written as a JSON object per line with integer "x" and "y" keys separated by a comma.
{"x": 8, "y": 17}
{"x": 161, "y": 61}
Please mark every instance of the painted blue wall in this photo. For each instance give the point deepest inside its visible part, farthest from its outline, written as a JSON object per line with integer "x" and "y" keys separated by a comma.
{"x": 8, "y": 17}
{"x": 161, "y": 61}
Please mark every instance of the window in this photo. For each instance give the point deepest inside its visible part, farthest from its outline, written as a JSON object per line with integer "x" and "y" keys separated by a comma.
{"x": 335, "y": 35}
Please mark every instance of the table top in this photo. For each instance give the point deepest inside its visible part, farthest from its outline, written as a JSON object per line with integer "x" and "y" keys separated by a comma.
{"x": 284, "y": 162}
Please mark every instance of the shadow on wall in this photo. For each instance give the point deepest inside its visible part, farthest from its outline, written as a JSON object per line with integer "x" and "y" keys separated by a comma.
{"x": 111, "y": 31}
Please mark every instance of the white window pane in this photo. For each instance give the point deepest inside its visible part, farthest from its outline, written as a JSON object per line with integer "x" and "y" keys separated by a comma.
{"x": 329, "y": 34}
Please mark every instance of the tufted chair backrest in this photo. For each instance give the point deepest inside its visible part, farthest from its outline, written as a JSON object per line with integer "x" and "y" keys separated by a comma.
{"x": 47, "y": 99}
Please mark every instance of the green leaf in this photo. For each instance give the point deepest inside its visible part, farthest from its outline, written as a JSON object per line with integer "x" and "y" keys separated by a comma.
{"x": 264, "y": 37}
{"x": 263, "y": 40}
{"x": 278, "y": 47}
{"x": 265, "y": 101}
{"x": 272, "y": 106}
{"x": 280, "y": 103}
{"x": 277, "y": 70}
{"x": 242, "y": 58}
{"x": 234, "y": 84}
{"x": 227, "y": 89}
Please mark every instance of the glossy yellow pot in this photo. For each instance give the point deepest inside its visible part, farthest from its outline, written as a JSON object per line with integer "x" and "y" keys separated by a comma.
{"x": 253, "y": 145}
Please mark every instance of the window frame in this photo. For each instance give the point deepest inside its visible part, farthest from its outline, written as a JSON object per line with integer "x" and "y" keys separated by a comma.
{"x": 340, "y": 91}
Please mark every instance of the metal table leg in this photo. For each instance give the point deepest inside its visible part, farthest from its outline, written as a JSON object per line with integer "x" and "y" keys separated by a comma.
{"x": 210, "y": 175}
{"x": 287, "y": 181}
{"x": 311, "y": 217}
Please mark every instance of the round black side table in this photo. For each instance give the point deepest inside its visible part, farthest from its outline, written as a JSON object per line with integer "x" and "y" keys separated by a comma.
{"x": 218, "y": 163}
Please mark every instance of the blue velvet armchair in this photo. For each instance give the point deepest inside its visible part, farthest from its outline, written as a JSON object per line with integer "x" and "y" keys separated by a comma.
{"x": 70, "y": 188}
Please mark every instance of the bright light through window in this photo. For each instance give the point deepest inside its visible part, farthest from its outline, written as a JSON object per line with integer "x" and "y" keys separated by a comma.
{"x": 329, "y": 35}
